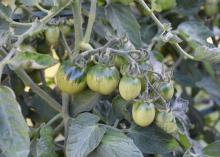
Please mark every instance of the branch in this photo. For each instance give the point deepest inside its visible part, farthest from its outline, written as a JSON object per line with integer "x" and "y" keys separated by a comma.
{"x": 91, "y": 21}
{"x": 42, "y": 9}
{"x": 28, "y": 81}
{"x": 161, "y": 26}
{"x": 76, "y": 7}
{"x": 65, "y": 111}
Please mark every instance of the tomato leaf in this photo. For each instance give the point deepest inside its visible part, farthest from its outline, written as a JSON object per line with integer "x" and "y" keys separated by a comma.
{"x": 120, "y": 108}
{"x": 84, "y": 135}
{"x": 194, "y": 33}
{"x": 152, "y": 140}
{"x": 84, "y": 101}
{"x": 32, "y": 60}
{"x": 44, "y": 146}
{"x": 188, "y": 8}
{"x": 211, "y": 87}
{"x": 27, "y": 2}
{"x": 203, "y": 53}
{"x": 116, "y": 144}
{"x": 14, "y": 136}
{"x": 124, "y": 22}
{"x": 212, "y": 150}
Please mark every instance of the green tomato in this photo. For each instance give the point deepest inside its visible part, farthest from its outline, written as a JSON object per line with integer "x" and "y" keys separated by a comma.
{"x": 163, "y": 5}
{"x": 26, "y": 48}
{"x": 143, "y": 113}
{"x": 129, "y": 87}
{"x": 70, "y": 78}
{"x": 103, "y": 79}
{"x": 52, "y": 35}
{"x": 118, "y": 61}
{"x": 65, "y": 29}
{"x": 166, "y": 121}
{"x": 166, "y": 90}
{"x": 211, "y": 7}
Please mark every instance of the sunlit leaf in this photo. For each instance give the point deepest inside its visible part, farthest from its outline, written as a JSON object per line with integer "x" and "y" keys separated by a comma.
{"x": 14, "y": 136}
{"x": 32, "y": 60}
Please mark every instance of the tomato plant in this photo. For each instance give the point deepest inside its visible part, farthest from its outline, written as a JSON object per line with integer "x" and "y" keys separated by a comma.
{"x": 100, "y": 78}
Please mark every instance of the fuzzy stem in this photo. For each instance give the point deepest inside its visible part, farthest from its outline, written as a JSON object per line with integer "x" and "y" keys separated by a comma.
{"x": 76, "y": 7}
{"x": 28, "y": 81}
{"x": 91, "y": 21}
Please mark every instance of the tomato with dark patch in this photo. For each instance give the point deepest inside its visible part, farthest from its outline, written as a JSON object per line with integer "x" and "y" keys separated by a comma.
{"x": 103, "y": 79}
{"x": 70, "y": 78}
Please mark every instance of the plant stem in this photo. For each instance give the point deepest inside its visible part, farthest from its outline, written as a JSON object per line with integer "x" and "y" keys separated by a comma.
{"x": 28, "y": 81}
{"x": 76, "y": 7}
{"x": 65, "y": 44}
{"x": 59, "y": 115}
{"x": 65, "y": 112}
{"x": 42, "y": 9}
{"x": 179, "y": 48}
{"x": 91, "y": 21}
{"x": 161, "y": 26}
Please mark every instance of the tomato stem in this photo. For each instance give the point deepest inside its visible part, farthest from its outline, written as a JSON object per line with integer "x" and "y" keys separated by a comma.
{"x": 55, "y": 118}
{"x": 76, "y": 8}
{"x": 28, "y": 81}
{"x": 162, "y": 26}
{"x": 92, "y": 15}
{"x": 65, "y": 112}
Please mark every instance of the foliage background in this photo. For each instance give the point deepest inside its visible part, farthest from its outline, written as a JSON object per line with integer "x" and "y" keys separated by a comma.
{"x": 196, "y": 80}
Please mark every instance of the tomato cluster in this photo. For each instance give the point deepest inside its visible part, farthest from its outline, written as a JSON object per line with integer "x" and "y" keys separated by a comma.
{"x": 106, "y": 79}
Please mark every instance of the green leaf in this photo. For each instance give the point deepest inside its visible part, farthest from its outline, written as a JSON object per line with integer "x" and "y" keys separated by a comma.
{"x": 116, "y": 144}
{"x": 43, "y": 112}
{"x": 188, "y": 7}
{"x": 84, "y": 101}
{"x": 4, "y": 27}
{"x": 212, "y": 150}
{"x": 194, "y": 33}
{"x": 120, "y": 108}
{"x": 203, "y": 53}
{"x": 124, "y": 22}
{"x": 84, "y": 135}
{"x": 32, "y": 60}
{"x": 5, "y": 11}
{"x": 14, "y": 136}
{"x": 27, "y": 2}
{"x": 45, "y": 145}
{"x": 152, "y": 140}
{"x": 211, "y": 87}
{"x": 188, "y": 74}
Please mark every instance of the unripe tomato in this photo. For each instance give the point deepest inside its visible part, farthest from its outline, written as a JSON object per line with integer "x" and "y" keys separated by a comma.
{"x": 103, "y": 79}
{"x": 143, "y": 113}
{"x": 166, "y": 121}
{"x": 164, "y": 5}
{"x": 211, "y": 7}
{"x": 26, "y": 48}
{"x": 166, "y": 90}
{"x": 52, "y": 35}
{"x": 70, "y": 78}
{"x": 118, "y": 61}
{"x": 129, "y": 87}
{"x": 65, "y": 29}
